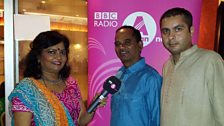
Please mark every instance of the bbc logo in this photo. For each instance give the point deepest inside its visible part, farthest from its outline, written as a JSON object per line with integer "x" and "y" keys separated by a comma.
{"x": 105, "y": 15}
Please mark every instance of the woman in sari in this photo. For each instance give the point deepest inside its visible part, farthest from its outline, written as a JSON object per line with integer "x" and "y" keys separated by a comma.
{"x": 48, "y": 95}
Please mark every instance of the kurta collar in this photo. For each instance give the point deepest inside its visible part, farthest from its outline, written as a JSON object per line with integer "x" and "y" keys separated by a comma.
{"x": 189, "y": 51}
{"x": 186, "y": 53}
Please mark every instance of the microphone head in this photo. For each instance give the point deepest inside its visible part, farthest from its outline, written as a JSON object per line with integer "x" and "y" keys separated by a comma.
{"x": 112, "y": 84}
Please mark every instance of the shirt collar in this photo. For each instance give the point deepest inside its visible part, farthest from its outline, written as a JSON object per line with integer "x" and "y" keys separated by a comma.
{"x": 135, "y": 67}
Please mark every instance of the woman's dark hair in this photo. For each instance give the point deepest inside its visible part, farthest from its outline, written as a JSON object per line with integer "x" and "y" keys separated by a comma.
{"x": 43, "y": 41}
{"x": 136, "y": 32}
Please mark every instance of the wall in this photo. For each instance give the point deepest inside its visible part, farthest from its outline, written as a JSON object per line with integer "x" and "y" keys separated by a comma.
{"x": 1, "y": 55}
{"x": 208, "y": 24}
{"x": 1, "y": 63}
{"x": 221, "y": 1}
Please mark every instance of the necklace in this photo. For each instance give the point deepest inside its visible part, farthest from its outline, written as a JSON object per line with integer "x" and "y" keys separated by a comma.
{"x": 54, "y": 87}
{"x": 51, "y": 81}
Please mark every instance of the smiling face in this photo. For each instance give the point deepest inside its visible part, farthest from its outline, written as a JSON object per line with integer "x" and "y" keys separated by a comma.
{"x": 53, "y": 58}
{"x": 127, "y": 48}
{"x": 176, "y": 34}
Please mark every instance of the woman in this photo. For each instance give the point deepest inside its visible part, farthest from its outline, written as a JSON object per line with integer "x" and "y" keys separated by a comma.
{"x": 47, "y": 95}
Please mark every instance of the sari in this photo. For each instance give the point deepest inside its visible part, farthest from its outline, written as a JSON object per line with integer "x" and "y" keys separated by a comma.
{"x": 47, "y": 109}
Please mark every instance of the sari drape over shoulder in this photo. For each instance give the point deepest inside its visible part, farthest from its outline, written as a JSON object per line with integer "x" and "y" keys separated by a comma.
{"x": 47, "y": 109}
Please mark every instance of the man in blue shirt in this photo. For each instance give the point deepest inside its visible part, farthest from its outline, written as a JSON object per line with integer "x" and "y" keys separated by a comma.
{"x": 137, "y": 103}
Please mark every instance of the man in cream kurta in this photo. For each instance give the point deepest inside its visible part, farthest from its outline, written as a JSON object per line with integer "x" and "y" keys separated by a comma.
{"x": 193, "y": 90}
{"x": 193, "y": 78}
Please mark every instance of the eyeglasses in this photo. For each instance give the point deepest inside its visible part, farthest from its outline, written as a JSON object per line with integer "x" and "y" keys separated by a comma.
{"x": 54, "y": 52}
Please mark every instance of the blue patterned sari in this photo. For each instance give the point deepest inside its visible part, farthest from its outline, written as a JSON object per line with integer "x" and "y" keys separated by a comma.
{"x": 47, "y": 109}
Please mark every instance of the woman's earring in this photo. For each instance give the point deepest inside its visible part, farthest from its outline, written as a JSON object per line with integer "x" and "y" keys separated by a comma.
{"x": 38, "y": 64}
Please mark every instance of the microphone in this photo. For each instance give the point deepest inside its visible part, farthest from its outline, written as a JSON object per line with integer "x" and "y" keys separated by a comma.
{"x": 111, "y": 85}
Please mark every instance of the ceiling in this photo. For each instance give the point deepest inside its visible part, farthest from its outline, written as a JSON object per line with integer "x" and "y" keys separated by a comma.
{"x": 73, "y": 11}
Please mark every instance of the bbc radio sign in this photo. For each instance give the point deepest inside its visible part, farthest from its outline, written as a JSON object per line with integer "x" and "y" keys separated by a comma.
{"x": 140, "y": 20}
{"x": 105, "y": 19}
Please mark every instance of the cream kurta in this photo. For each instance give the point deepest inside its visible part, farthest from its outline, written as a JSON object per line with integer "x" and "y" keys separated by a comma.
{"x": 193, "y": 90}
